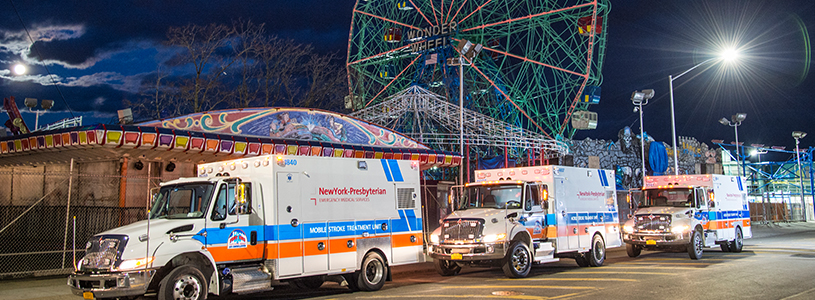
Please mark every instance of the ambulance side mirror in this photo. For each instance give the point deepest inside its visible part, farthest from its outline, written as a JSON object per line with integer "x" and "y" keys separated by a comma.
{"x": 711, "y": 204}
{"x": 545, "y": 205}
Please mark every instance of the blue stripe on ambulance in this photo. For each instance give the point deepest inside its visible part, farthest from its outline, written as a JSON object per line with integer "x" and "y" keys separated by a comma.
{"x": 397, "y": 173}
{"x": 386, "y": 169}
{"x": 603, "y": 179}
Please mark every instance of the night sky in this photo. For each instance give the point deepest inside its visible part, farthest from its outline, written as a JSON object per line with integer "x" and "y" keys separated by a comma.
{"x": 100, "y": 51}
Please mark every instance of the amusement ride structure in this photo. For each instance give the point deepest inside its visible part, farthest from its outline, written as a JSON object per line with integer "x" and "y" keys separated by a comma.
{"x": 531, "y": 66}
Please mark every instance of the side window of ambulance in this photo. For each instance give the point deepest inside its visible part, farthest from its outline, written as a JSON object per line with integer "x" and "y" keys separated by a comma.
{"x": 532, "y": 196}
{"x": 220, "y": 208}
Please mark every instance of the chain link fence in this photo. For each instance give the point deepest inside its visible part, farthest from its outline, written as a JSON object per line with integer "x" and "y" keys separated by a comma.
{"x": 48, "y": 213}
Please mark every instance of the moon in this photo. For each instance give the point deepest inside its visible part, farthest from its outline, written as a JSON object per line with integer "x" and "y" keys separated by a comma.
{"x": 19, "y": 69}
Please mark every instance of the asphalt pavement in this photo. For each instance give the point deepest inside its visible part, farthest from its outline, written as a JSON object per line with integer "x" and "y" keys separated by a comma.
{"x": 53, "y": 288}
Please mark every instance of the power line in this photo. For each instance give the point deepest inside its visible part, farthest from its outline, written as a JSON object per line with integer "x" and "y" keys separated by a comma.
{"x": 33, "y": 45}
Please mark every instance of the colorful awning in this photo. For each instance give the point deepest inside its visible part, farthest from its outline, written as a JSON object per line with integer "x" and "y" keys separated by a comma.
{"x": 153, "y": 143}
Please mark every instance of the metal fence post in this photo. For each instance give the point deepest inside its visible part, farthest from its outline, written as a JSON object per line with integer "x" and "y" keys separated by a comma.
{"x": 67, "y": 211}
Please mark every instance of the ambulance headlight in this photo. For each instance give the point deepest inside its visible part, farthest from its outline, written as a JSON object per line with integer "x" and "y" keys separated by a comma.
{"x": 680, "y": 228}
{"x": 131, "y": 264}
{"x": 434, "y": 239}
{"x": 492, "y": 238}
{"x": 628, "y": 229}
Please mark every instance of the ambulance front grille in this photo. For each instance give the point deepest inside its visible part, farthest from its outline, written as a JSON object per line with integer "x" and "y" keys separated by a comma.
{"x": 103, "y": 252}
{"x": 462, "y": 230}
{"x": 653, "y": 222}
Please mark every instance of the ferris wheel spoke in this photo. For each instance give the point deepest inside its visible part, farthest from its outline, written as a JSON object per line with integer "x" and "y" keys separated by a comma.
{"x": 474, "y": 11}
{"x": 433, "y": 7}
{"x": 527, "y": 17}
{"x": 535, "y": 62}
{"x": 392, "y": 81}
{"x": 521, "y": 110}
{"x": 377, "y": 55}
{"x": 421, "y": 13}
{"x": 385, "y": 19}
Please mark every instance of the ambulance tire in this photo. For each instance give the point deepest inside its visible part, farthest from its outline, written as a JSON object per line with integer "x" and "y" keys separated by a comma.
{"x": 351, "y": 280}
{"x": 446, "y": 268}
{"x": 309, "y": 283}
{"x": 183, "y": 282}
{"x": 695, "y": 245}
{"x": 597, "y": 255}
{"x": 518, "y": 262}
{"x": 373, "y": 274}
{"x": 633, "y": 250}
{"x": 581, "y": 260}
{"x": 725, "y": 246}
{"x": 738, "y": 243}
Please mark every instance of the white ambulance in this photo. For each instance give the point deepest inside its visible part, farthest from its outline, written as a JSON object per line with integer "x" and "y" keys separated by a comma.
{"x": 246, "y": 225}
{"x": 689, "y": 212}
{"x": 515, "y": 217}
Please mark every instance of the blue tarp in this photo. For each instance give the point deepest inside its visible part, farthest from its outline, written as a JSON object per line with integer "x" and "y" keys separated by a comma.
{"x": 496, "y": 162}
{"x": 658, "y": 158}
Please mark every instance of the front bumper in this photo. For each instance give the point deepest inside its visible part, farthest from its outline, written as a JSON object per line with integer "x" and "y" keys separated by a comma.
{"x": 467, "y": 252}
{"x": 657, "y": 239}
{"x": 111, "y": 285}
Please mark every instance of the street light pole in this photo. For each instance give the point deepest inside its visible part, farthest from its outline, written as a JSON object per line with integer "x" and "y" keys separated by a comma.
{"x": 461, "y": 110}
{"x": 799, "y": 135}
{"x": 671, "y": 79}
{"x": 735, "y": 122}
{"x": 640, "y": 99}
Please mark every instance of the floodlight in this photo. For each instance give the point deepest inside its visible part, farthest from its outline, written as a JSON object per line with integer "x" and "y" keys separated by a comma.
{"x": 739, "y": 117}
{"x": 641, "y": 97}
{"x": 30, "y": 102}
{"x": 798, "y": 134}
{"x": 724, "y": 121}
{"x": 47, "y": 104}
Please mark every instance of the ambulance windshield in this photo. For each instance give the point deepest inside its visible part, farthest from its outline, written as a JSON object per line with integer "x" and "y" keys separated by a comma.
{"x": 492, "y": 196}
{"x": 676, "y": 197}
{"x": 182, "y": 201}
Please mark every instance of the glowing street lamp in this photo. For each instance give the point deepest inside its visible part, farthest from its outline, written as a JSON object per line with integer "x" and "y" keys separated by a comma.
{"x": 729, "y": 54}
{"x": 735, "y": 122}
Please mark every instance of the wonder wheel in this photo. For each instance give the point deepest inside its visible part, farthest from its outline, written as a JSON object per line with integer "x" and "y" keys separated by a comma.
{"x": 531, "y": 63}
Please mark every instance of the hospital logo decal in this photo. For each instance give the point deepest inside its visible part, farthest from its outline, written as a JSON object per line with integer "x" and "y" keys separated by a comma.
{"x": 237, "y": 239}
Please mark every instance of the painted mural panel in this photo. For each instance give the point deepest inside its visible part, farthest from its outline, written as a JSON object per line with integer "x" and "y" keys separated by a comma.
{"x": 289, "y": 123}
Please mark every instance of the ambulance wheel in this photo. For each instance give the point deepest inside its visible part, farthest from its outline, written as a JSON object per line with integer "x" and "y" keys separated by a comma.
{"x": 633, "y": 250}
{"x": 518, "y": 261}
{"x": 695, "y": 246}
{"x": 738, "y": 243}
{"x": 597, "y": 255}
{"x": 446, "y": 268}
{"x": 351, "y": 281}
{"x": 373, "y": 274}
{"x": 581, "y": 260}
{"x": 725, "y": 246}
{"x": 309, "y": 283}
{"x": 185, "y": 282}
